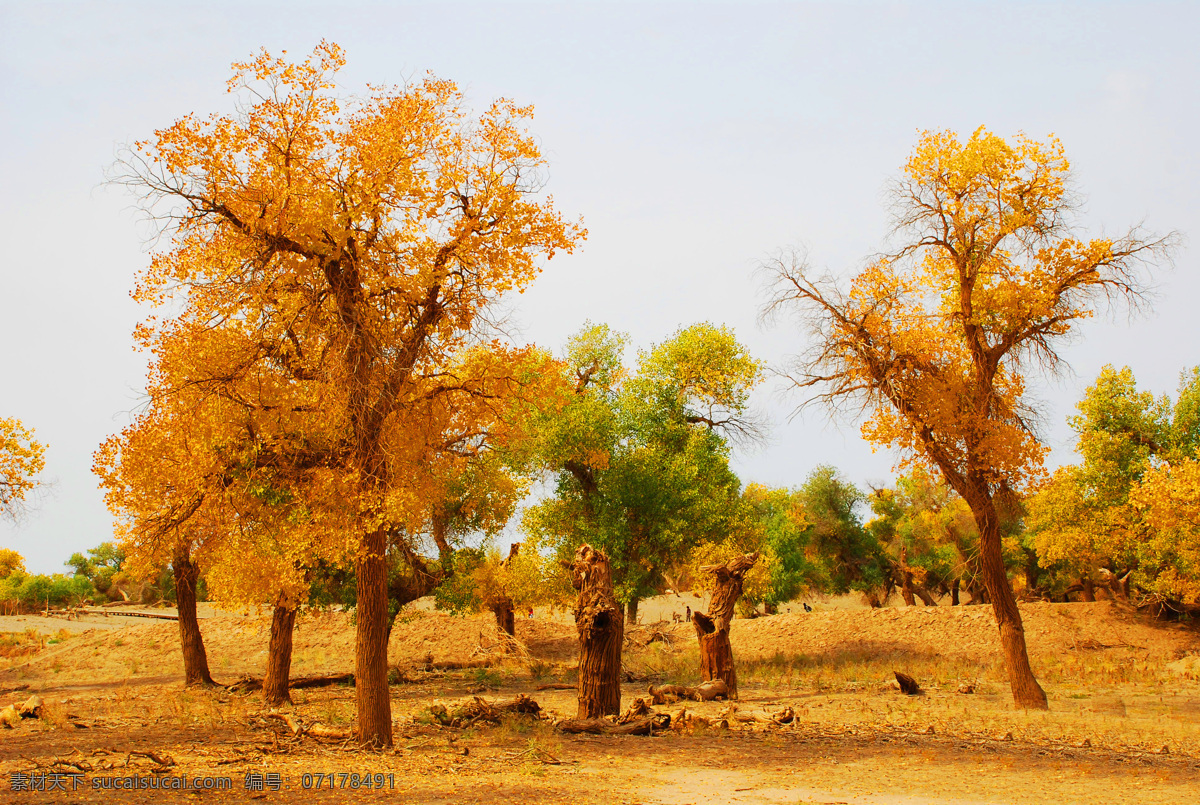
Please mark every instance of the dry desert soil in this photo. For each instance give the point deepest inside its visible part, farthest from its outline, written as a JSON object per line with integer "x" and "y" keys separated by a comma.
{"x": 1123, "y": 724}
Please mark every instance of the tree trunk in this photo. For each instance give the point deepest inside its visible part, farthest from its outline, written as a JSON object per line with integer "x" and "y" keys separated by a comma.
{"x": 505, "y": 619}
{"x": 1089, "y": 589}
{"x": 195, "y": 660}
{"x": 1027, "y": 693}
{"x": 712, "y": 629}
{"x": 370, "y": 643}
{"x": 601, "y": 631}
{"x": 924, "y": 595}
{"x": 1033, "y": 571}
{"x": 279, "y": 656}
{"x": 954, "y": 593}
{"x": 631, "y": 611}
{"x": 906, "y": 579}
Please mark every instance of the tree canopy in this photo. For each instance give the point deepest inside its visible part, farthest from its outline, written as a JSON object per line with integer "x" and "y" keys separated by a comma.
{"x": 1121, "y": 516}
{"x": 332, "y": 276}
{"x": 934, "y": 341}
{"x": 641, "y": 460}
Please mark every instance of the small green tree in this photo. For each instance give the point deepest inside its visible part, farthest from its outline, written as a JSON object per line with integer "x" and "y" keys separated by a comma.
{"x": 641, "y": 460}
{"x": 1088, "y": 523}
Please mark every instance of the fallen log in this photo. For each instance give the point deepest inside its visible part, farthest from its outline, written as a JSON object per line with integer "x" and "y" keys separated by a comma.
{"x": 704, "y": 692}
{"x": 478, "y": 710}
{"x": 250, "y": 684}
{"x": 558, "y": 686}
{"x": 131, "y": 613}
{"x": 317, "y": 730}
{"x": 455, "y": 665}
{"x": 636, "y": 711}
{"x": 600, "y": 726}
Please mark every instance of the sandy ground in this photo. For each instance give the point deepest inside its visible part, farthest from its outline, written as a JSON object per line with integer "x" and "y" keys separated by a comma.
{"x": 1124, "y": 724}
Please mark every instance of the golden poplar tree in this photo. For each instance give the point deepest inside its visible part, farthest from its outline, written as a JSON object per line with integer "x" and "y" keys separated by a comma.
{"x": 935, "y": 340}
{"x": 349, "y": 252}
{"x": 21, "y": 459}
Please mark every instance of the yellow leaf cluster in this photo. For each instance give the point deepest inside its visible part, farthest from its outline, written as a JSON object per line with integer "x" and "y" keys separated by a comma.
{"x": 21, "y": 459}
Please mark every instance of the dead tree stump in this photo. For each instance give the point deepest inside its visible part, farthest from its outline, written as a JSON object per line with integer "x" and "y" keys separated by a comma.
{"x": 712, "y": 629}
{"x": 601, "y": 626}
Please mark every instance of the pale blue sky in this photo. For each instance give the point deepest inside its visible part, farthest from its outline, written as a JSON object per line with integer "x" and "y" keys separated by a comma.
{"x": 694, "y": 138}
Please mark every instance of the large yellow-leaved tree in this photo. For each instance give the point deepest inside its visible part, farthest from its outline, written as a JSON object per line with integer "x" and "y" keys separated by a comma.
{"x": 357, "y": 249}
{"x": 935, "y": 340}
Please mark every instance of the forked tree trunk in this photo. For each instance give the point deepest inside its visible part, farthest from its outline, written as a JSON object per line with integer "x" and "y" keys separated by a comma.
{"x": 279, "y": 656}
{"x": 712, "y": 629}
{"x": 601, "y": 630}
{"x": 370, "y": 644}
{"x": 195, "y": 660}
{"x": 631, "y": 611}
{"x": 1089, "y": 589}
{"x": 1027, "y": 693}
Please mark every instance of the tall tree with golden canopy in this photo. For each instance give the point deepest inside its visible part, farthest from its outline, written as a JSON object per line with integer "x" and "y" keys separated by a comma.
{"x": 934, "y": 341}
{"x": 359, "y": 247}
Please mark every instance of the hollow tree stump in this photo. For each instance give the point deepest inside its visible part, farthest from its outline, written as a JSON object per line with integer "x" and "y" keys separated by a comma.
{"x": 601, "y": 626}
{"x": 712, "y": 629}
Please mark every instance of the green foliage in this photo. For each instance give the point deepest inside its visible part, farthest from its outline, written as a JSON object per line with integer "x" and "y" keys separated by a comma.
{"x": 928, "y": 533}
{"x": 849, "y": 554}
{"x": 641, "y": 461}
{"x": 30, "y": 593}
{"x": 459, "y": 593}
{"x": 1087, "y": 522}
{"x": 332, "y": 585}
{"x": 103, "y": 566}
{"x": 482, "y": 577}
{"x": 810, "y": 539}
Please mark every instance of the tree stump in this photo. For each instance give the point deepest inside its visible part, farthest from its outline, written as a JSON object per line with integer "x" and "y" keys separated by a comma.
{"x": 601, "y": 626}
{"x": 712, "y": 629}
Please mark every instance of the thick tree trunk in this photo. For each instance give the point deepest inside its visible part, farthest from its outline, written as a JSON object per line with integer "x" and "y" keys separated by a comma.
{"x": 631, "y": 611}
{"x": 506, "y": 620}
{"x": 279, "y": 656}
{"x": 1089, "y": 589}
{"x": 1027, "y": 693}
{"x": 954, "y": 593}
{"x": 370, "y": 644}
{"x": 712, "y": 629}
{"x": 601, "y": 631}
{"x": 195, "y": 660}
